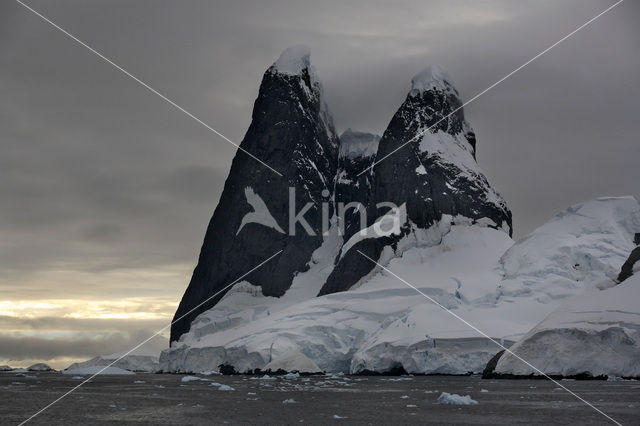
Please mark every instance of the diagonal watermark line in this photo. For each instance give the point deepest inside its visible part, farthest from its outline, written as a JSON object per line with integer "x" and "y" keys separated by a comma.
{"x": 490, "y": 338}
{"x": 422, "y": 133}
{"x": 145, "y": 85}
{"x": 144, "y": 341}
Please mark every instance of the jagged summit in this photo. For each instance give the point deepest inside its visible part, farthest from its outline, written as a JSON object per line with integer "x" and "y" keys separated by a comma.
{"x": 293, "y": 61}
{"x": 432, "y": 77}
{"x": 429, "y": 166}
{"x": 435, "y": 182}
{"x": 355, "y": 144}
{"x": 292, "y": 131}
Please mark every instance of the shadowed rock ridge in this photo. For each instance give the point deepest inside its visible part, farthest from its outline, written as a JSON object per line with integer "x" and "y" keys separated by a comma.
{"x": 435, "y": 174}
{"x": 292, "y": 132}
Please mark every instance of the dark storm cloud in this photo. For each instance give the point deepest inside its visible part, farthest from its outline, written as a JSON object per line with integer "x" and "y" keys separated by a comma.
{"x": 96, "y": 173}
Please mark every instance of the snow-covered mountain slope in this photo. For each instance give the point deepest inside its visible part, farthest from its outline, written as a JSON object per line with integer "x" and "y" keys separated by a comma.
{"x": 334, "y": 308}
{"x": 597, "y": 333}
{"x": 381, "y": 325}
{"x": 141, "y": 359}
{"x": 579, "y": 247}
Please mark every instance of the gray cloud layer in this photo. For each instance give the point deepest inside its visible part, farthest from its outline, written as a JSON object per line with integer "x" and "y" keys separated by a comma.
{"x": 19, "y": 348}
{"x": 72, "y": 338}
{"x": 98, "y": 174}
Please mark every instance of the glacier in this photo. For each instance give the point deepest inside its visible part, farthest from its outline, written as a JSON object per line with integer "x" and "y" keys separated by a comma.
{"x": 594, "y": 334}
{"x": 501, "y": 287}
{"x": 325, "y": 304}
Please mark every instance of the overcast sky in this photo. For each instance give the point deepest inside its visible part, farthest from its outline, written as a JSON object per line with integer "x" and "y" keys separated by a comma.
{"x": 106, "y": 190}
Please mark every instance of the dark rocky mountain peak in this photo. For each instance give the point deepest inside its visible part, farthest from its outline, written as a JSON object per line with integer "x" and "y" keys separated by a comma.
{"x": 292, "y": 131}
{"x": 430, "y": 167}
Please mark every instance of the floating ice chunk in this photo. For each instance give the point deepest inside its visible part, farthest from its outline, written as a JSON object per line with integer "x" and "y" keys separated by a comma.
{"x": 225, "y": 388}
{"x": 187, "y": 379}
{"x": 265, "y": 377}
{"x": 211, "y": 373}
{"x": 619, "y": 379}
{"x": 455, "y": 399}
{"x": 289, "y": 401}
{"x": 290, "y": 376}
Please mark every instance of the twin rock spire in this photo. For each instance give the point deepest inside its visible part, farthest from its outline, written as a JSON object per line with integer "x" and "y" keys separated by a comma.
{"x": 435, "y": 174}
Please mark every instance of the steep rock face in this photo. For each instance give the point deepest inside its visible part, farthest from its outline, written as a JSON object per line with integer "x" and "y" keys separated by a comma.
{"x": 357, "y": 153}
{"x": 434, "y": 174}
{"x": 291, "y": 131}
{"x": 630, "y": 265}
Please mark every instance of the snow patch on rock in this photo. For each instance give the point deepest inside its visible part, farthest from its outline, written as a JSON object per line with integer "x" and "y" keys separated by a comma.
{"x": 432, "y": 78}
{"x": 293, "y": 60}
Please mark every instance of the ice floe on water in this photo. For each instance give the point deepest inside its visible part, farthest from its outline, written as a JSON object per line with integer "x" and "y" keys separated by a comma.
{"x": 187, "y": 379}
{"x": 455, "y": 399}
